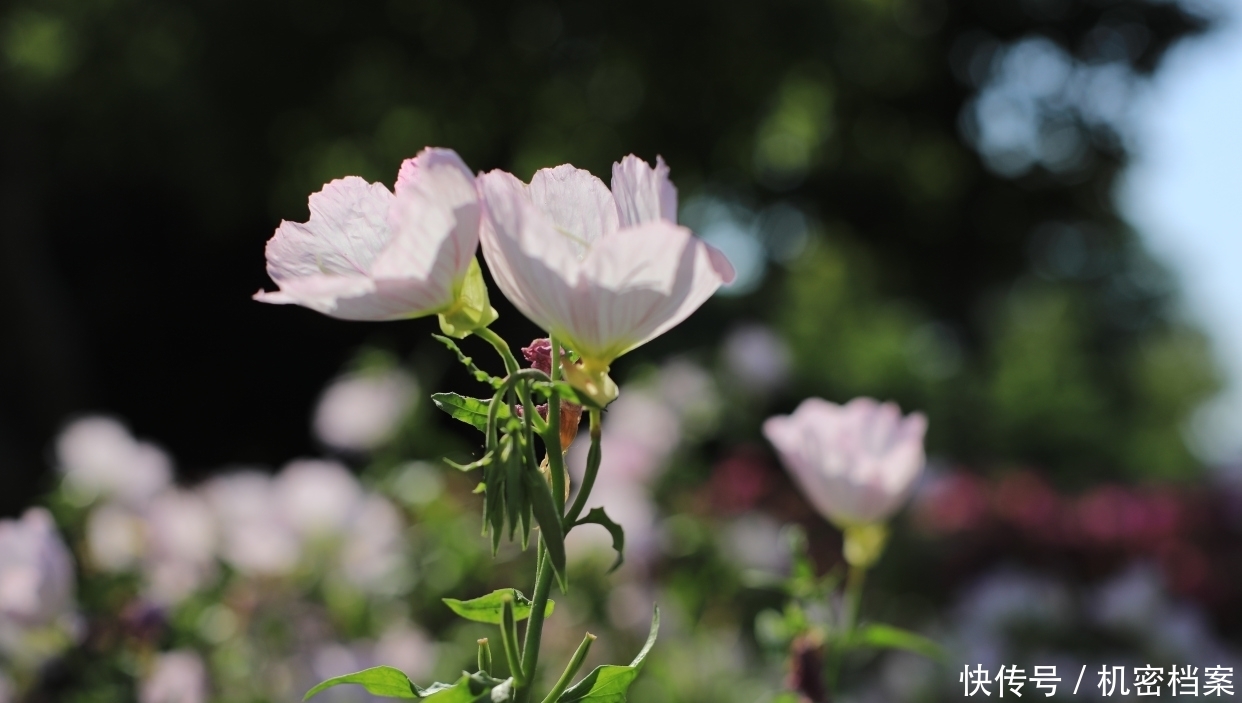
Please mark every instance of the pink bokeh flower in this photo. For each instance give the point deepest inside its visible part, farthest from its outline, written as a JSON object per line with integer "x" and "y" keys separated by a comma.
{"x": 602, "y": 271}
{"x": 370, "y": 254}
{"x": 855, "y": 463}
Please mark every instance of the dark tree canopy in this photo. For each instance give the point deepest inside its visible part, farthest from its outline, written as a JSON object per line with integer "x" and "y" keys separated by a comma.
{"x": 927, "y": 184}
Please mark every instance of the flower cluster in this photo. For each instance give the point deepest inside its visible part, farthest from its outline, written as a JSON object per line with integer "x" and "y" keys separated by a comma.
{"x": 218, "y": 559}
{"x": 601, "y": 270}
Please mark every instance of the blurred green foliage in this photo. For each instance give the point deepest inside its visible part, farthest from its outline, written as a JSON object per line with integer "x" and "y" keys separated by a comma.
{"x": 151, "y": 145}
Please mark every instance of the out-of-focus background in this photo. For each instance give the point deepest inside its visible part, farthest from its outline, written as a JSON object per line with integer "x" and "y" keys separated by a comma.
{"x": 1014, "y": 215}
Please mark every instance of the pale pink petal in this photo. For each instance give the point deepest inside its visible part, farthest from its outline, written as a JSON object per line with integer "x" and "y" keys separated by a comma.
{"x": 640, "y": 283}
{"x": 366, "y": 254}
{"x": 346, "y": 231}
{"x": 434, "y": 221}
{"x": 855, "y": 463}
{"x": 643, "y": 194}
{"x": 579, "y": 204}
{"x": 533, "y": 264}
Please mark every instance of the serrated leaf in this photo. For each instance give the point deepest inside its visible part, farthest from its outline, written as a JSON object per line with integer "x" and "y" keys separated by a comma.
{"x": 609, "y": 683}
{"x": 472, "y": 411}
{"x": 378, "y": 681}
{"x": 597, "y": 516}
{"x": 479, "y": 374}
{"x": 549, "y": 520}
{"x": 889, "y": 637}
{"x": 487, "y": 608}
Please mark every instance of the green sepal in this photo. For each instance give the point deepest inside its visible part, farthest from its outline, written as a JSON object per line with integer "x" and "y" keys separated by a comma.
{"x": 609, "y": 683}
{"x": 487, "y": 608}
{"x": 383, "y": 681}
{"x": 493, "y": 497}
{"x": 515, "y": 487}
{"x": 597, "y": 516}
{"x": 478, "y": 373}
{"x": 549, "y": 521}
{"x": 889, "y": 637}
{"x": 471, "y": 309}
{"x": 472, "y": 411}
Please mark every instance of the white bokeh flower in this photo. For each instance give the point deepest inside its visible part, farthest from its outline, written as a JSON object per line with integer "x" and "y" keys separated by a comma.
{"x": 175, "y": 677}
{"x": 101, "y": 459}
{"x": 361, "y": 411}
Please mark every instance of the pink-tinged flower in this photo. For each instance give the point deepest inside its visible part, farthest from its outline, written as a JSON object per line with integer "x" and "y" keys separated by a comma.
{"x": 175, "y": 677}
{"x": 602, "y": 271}
{"x": 36, "y": 572}
{"x": 369, "y": 254}
{"x": 361, "y": 411}
{"x": 101, "y": 459}
{"x": 857, "y": 462}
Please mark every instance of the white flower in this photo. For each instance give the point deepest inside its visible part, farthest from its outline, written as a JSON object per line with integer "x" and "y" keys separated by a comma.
{"x": 181, "y": 544}
{"x": 855, "y": 463}
{"x": 603, "y": 272}
{"x": 255, "y": 539}
{"x": 36, "y": 571}
{"x": 114, "y": 537}
{"x": 361, "y": 411}
{"x": 407, "y": 649}
{"x": 316, "y": 497}
{"x": 367, "y": 254}
{"x": 100, "y": 459}
{"x": 176, "y": 677}
{"x": 373, "y": 555}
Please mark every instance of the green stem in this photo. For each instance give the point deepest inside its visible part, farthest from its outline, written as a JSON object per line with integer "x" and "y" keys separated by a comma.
{"x": 508, "y": 637}
{"x": 534, "y": 623}
{"x": 552, "y": 436}
{"x": 853, "y": 596}
{"x": 502, "y": 348}
{"x": 567, "y": 676}
{"x": 592, "y": 469}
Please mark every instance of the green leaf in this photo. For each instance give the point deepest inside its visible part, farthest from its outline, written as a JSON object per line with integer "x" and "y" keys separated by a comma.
{"x": 609, "y": 683}
{"x": 472, "y": 411}
{"x": 470, "y": 688}
{"x": 889, "y": 637}
{"x": 549, "y": 520}
{"x": 487, "y": 608}
{"x": 379, "y": 681}
{"x": 479, "y": 374}
{"x": 597, "y": 516}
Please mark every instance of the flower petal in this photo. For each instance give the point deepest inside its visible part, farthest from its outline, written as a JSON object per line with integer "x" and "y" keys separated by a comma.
{"x": 346, "y": 231}
{"x": 578, "y": 203}
{"x": 434, "y": 220}
{"x": 532, "y": 263}
{"x": 643, "y": 194}
{"x": 855, "y": 463}
{"x": 638, "y": 284}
